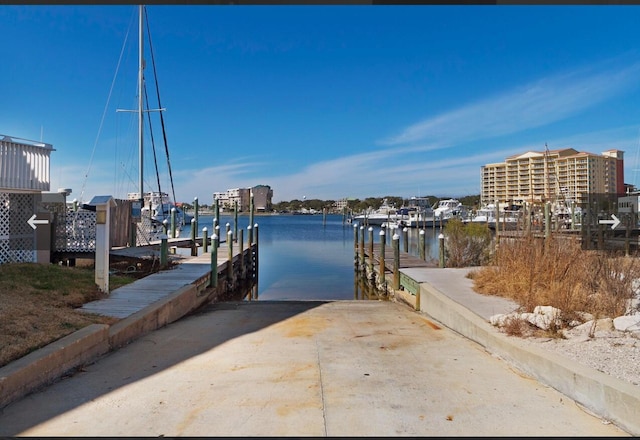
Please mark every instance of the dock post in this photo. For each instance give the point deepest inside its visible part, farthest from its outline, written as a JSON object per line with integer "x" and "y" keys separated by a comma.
{"x": 173, "y": 222}
{"x": 195, "y": 212}
{"x": 230, "y": 257}
{"x": 164, "y": 250}
{"x": 165, "y": 227}
{"x": 205, "y": 240}
{"x": 396, "y": 261}
{"x": 441, "y": 249}
{"x": 355, "y": 238}
{"x": 256, "y": 246}
{"x": 227, "y": 228}
{"x": 249, "y": 235}
{"x": 371, "y": 248}
{"x": 547, "y": 220}
{"x": 194, "y": 248}
{"x": 213, "y": 279}
{"x": 216, "y": 216}
{"x": 216, "y": 233}
{"x": 382, "y": 267}
{"x": 235, "y": 218}
{"x": 251, "y": 208}
{"x": 421, "y": 243}
{"x": 405, "y": 238}
{"x": 240, "y": 240}
{"x": 361, "y": 246}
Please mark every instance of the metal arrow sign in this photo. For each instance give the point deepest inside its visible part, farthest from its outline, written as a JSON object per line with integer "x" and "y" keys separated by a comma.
{"x": 33, "y": 222}
{"x": 614, "y": 223}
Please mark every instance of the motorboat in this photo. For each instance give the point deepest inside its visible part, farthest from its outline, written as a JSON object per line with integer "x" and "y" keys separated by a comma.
{"x": 384, "y": 214}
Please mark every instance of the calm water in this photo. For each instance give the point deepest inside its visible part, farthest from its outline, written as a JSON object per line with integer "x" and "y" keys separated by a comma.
{"x": 304, "y": 258}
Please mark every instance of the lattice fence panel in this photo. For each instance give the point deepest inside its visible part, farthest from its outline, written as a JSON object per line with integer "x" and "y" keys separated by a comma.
{"x": 17, "y": 238}
{"x": 76, "y": 232}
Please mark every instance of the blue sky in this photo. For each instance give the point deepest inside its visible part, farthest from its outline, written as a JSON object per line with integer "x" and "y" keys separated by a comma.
{"x": 320, "y": 101}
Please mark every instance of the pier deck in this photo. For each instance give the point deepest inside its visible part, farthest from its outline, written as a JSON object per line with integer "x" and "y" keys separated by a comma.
{"x": 127, "y": 300}
{"x": 406, "y": 260}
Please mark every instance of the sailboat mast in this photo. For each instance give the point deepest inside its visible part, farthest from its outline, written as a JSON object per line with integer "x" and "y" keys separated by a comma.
{"x": 140, "y": 101}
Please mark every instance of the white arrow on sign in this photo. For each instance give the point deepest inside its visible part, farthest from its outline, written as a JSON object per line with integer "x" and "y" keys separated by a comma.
{"x": 614, "y": 223}
{"x": 33, "y": 222}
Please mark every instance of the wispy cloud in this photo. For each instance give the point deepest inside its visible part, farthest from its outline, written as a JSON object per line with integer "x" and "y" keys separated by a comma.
{"x": 534, "y": 105}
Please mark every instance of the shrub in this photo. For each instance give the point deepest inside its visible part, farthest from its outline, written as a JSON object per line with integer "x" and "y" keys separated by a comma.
{"x": 557, "y": 272}
{"x": 466, "y": 244}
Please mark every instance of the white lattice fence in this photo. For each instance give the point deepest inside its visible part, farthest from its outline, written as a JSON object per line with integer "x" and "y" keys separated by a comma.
{"x": 17, "y": 238}
{"x": 76, "y": 232}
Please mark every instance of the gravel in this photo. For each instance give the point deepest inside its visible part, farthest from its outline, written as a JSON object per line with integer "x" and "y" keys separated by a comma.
{"x": 615, "y": 353}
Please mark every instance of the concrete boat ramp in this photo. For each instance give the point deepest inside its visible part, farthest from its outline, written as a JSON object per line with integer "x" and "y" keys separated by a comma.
{"x": 335, "y": 368}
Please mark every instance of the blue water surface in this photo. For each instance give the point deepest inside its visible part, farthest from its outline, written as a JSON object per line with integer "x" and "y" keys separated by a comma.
{"x": 307, "y": 257}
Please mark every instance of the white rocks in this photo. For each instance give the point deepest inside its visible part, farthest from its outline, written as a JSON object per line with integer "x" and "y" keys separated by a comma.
{"x": 629, "y": 323}
{"x": 542, "y": 317}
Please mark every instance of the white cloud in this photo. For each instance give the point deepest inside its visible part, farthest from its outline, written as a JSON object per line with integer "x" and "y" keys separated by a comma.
{"x": 534, "y": 105}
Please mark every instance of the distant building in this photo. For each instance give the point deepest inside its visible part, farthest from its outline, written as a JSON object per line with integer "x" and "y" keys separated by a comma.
{"x": 339, "y": 205}
{"x": 538, "y": 176}
{"x": 262, "y": 196}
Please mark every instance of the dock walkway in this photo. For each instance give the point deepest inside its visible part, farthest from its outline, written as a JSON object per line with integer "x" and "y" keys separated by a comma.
{"x": 127, "y": 300}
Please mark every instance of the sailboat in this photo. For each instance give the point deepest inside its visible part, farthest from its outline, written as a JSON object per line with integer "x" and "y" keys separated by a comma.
{"x": 156, "y": 205}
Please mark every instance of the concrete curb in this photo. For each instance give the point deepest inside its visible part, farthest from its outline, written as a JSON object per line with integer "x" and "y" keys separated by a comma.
{"x": 606, "y": 396}
{"x": 46, "y": 365}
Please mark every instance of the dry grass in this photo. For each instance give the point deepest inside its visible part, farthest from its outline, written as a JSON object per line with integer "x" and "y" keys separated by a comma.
{"x": 560, "y": 274}
{"x": 38, "y": 302}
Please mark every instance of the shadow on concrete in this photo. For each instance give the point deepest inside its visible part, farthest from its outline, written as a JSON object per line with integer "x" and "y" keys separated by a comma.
{"x": 208, "y": 327}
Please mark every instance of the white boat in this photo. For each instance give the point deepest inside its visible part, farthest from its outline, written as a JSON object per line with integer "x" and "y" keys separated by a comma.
{"x": 508, "y": 218}
{"x": 158, "y": 206}
{"x": 450, "y": 208}
{"x": 384, "y": 214}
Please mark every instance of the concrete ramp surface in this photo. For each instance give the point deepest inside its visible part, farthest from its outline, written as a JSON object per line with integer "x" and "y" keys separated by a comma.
{"x": 343, "y": 368}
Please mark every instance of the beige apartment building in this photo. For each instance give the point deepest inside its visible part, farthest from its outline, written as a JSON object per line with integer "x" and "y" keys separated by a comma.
{"x": 550, "y": 175}
{"x": 262, "y": 196}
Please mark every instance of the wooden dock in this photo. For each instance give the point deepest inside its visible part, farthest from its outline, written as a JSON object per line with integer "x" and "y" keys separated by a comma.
{"x": 406, "y": 260}
{"x": 127, "y": 300}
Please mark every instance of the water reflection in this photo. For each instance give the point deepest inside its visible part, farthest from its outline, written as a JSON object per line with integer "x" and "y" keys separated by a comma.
{"x": 303, "y": 258}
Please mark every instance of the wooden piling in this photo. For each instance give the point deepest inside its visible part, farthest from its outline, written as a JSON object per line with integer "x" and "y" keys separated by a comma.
{"x": 405, "y": 239}
{"x": 195, "y": 212}
{"x": 230, "y": 256}
{"x": 205, "y": 240}
{"x": 421, "y": 244}
{"x": 256, "y": 266}
{"x": 382, "y": 267}
{"x": 396, "y": 261}
{"x": 194, "y": 248}
{"x": 213, "y": 278}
